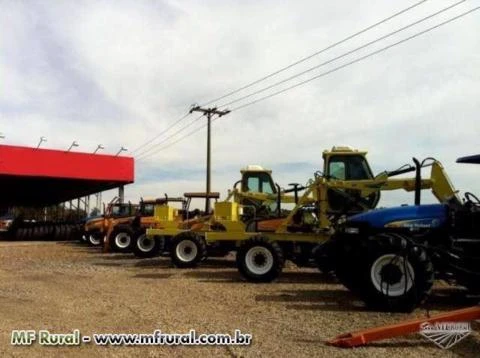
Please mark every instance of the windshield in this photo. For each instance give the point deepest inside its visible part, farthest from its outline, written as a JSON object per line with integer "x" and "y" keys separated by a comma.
{"x": 120, "y": 210}
{"x": 349, "y": 167}
{"x": 258, "y": 183}
{"x": 148, "y": 209}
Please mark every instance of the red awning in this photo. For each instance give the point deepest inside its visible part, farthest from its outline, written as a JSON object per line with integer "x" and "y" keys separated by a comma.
{"x": 40, "y": 177}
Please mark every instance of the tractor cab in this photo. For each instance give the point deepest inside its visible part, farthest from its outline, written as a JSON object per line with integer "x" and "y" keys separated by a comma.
{"x": 471, "y": 200}
{"x": 146, "y": 208}
{"x": 466, "y": 220}
{"x": 345, "y": 163}
{"x": 117, "y": 210}
{"x": 257, "y": 179}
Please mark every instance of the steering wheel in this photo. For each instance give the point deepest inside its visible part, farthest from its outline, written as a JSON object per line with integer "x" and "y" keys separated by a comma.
{"x": 472, "y": 198}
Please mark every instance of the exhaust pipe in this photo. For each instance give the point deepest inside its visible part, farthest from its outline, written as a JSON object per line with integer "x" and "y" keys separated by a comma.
{"x": 418, "y": 181}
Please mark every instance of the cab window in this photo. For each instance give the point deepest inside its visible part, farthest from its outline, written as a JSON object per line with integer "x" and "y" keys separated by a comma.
{"x": 120, "y": 210}
{"x": 358, "y": 169}
{"x": 337, "y": 170}
{"x": 258, "y": 182}
{"x": 349, "y": 167}
{"x": 267, "y": 186}
{"x": 148, "y": 209}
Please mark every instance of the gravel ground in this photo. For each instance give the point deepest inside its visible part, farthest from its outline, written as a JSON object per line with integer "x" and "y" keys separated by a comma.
{"x": 66, "y": 286}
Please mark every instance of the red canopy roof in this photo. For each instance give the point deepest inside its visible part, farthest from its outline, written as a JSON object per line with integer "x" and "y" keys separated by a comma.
{"x": 40, "y": 177}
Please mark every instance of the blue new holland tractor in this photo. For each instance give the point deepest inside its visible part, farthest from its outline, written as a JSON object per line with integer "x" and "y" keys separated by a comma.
{"x": 391, "y": 257}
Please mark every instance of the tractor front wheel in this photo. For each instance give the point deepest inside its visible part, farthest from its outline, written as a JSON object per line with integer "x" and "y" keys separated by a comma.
{"x": 121, "y": 239}
{"x": 94, "y": 238}
{"x": 145, "y": 246}
{"x": 188, "y": 250}
{"x": 260, "y": 260}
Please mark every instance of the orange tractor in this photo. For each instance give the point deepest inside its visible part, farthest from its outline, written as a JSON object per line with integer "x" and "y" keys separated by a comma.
{"x": 121, "y": 231}
{"x": 143, "y": 246}
{"x": 95, "y": 228}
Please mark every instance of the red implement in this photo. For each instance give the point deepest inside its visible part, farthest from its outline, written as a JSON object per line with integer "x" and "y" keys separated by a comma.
{"x": 400, "y": 329}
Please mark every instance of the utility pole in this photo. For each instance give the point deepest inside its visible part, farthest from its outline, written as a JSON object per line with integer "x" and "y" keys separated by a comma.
{"x": 121, "y": 194}
{"x": 209, "y": 112}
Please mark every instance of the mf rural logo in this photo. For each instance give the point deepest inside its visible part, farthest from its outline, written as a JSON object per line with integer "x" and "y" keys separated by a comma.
{"x": 445, "y": 334}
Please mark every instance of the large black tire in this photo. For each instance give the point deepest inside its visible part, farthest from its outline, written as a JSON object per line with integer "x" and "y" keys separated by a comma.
{"x": 36, "y": 233}
{"x": 121, "y": 239}
{"x": 68, "y": 233}
{"x": 60, "y": 232}
{"x": 56, "y": 232}
{"x": 188, "y": 250}
{"x": 21, "y": 234}
{"x": 394, "y": 273}
{"x": 145, "y": 247}
{"x": 40, "y": 234}
{"x": 29, "y": 234}
{"x": 260, "y": 260}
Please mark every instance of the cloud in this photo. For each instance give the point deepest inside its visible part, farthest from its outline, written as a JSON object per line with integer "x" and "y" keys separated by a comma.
{"x": 119, "y": 72}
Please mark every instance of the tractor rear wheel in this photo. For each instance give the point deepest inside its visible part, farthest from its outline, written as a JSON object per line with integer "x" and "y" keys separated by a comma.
{"x": 188, "y": 250}
{"x": 121, "y": 239}
{"x": 260, "y": 260}
{"x": 394, "y": 274}
{"x": 144, "y": 246}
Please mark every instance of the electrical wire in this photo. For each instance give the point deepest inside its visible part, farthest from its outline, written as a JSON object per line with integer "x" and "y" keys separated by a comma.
{"x": 280, "y": 71}
{"x": 161, "y": 133}
{"x": 343, "y": 55}
{"x": 383, "y": 49}
{"x": 145, "y": 152}
{"x": 314, "y": 54}
{"x": 196, "y": 130}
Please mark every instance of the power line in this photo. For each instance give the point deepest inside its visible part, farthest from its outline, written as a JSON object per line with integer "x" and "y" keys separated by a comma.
{"x": 161, "y": 133}
{"x": 315, "y": 54}
{"x": 196, "y": 130}
{"x": 168, "y": 137}
{"x": 212, "y": 112}
{"x": 323, "y": 74}
{"x": 282, "y": 70}
{"x": 343, "y": 55}
{"x": 356, "y": 60}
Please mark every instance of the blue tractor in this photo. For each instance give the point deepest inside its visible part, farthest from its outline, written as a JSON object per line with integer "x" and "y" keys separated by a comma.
{"x": 390, "y": 257}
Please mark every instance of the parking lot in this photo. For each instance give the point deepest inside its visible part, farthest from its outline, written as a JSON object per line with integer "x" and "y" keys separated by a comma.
{"x": 62, "y": 286}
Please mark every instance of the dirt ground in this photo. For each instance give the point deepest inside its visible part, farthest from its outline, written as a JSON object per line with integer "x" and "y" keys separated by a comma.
{"x": 67, "y": 286}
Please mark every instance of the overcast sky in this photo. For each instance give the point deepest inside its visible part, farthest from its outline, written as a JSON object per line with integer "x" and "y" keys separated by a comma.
{"x": 120, "y": 72}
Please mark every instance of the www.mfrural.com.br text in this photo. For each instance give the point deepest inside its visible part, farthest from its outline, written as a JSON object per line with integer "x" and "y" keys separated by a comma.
{"x": 156, "y": 338}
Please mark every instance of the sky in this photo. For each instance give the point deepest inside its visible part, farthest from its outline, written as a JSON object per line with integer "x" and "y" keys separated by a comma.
{"x": 119, "y": 73}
